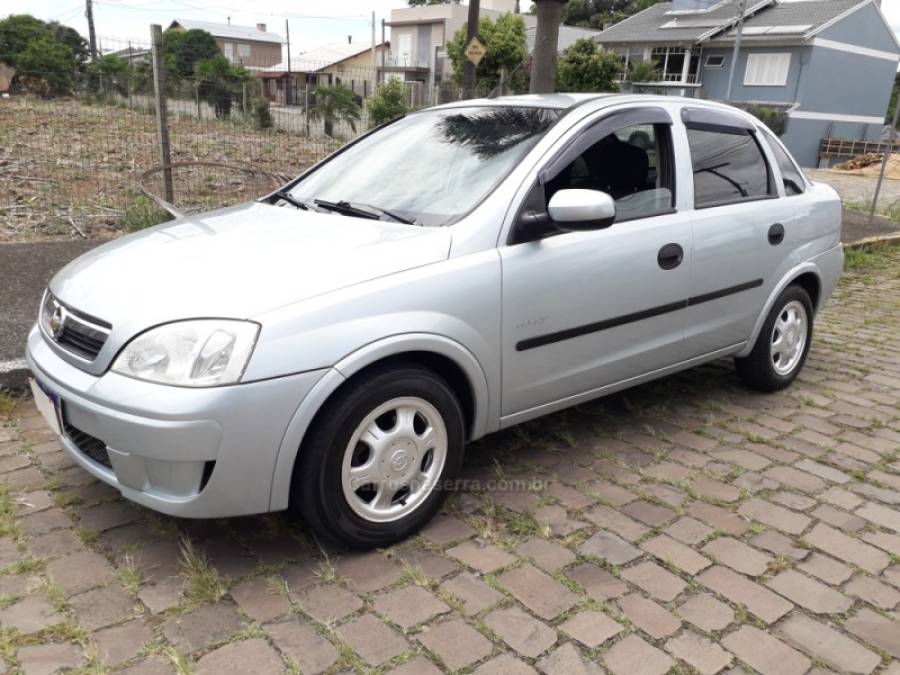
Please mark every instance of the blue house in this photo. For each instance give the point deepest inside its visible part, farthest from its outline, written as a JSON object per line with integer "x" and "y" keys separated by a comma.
{"x": 828, "y": 64}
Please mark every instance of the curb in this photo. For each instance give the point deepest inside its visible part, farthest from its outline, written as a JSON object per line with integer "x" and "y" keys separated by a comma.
{"x": 877, "y": 239}
{"x": 14, "y": 374}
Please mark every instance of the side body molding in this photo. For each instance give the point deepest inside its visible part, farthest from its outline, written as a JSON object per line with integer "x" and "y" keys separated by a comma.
{"x": 352, "y": 364}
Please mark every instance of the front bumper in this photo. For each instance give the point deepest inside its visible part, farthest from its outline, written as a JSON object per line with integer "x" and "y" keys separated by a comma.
{"x": 191, "y": 452}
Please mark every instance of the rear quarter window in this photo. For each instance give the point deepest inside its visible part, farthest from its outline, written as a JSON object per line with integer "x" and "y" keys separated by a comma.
{"x": 790, "y": 174}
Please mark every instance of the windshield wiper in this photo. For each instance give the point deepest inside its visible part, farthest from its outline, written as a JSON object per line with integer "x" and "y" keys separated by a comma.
{"x": 284, "y": 195}
{"x": 363, "y": 211}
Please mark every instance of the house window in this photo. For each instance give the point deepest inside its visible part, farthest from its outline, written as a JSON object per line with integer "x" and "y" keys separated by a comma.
{"x": 228, "y": 51}
{"x": 670, "y": 62}
{"x": 767, "y": 70}
{"x": 715, "y": 61}
{"x": 243, "y": 53}
{"x": 404, "y": 57}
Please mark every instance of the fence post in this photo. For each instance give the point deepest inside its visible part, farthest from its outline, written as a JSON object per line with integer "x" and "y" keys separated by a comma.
{"x": 162, "y": 118}
{"x": 244, "y": 103}
{"x": 306, "y": 107}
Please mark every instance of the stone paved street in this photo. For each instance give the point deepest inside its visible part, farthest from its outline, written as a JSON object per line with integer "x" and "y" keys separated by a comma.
{"x": 689, "y": 525}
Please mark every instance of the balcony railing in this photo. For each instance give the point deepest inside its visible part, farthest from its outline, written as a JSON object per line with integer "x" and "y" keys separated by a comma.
{"x": 403, "y": 61}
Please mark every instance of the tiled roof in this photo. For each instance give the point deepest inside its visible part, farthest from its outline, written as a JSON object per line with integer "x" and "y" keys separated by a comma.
{"x": 659, "y": 24}
{"x": 225, "y": 30}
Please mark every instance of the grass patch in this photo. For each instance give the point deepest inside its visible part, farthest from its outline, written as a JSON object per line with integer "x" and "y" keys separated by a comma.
{"x": 130, "y": 575}
{"x": 202, "y": 581}
{"x": 7, "y": 404}
{"x": 889, "y": 210}
{"x": 143, "y": 213}
{"x": 9, "y": 527}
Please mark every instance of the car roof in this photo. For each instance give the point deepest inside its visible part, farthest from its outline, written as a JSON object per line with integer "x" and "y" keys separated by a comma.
{"x": 566, "y": 101}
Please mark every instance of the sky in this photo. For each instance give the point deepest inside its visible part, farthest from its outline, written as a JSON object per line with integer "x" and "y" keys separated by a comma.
{"x": 312, "y": 22}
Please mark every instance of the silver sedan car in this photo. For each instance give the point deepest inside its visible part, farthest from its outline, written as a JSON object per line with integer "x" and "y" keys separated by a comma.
{"x": 332, "y": 347}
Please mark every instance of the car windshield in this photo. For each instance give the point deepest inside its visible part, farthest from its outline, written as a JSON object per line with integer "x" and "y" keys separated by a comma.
{"x": 430, "y": 168}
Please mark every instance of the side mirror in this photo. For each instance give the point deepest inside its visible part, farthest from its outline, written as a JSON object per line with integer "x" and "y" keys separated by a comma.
{"x": 576, "y": 210}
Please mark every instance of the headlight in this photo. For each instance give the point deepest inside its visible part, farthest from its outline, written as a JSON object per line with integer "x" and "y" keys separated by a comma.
{"x": 201, "y": 353}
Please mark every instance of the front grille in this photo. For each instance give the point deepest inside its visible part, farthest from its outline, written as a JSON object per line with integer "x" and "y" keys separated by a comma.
{"x": 87, "y": 444}
{"x": 81, "y": 343}
{"x": 73, "y": 330}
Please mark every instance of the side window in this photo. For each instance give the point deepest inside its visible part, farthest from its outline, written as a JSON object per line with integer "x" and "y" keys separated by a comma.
{"x": 728, "y": 166}
{"x": 633, "y": 165}
{"x": 790, "y": 174}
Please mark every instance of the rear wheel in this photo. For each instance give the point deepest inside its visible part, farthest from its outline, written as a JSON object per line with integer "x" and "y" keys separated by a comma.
{"x": 782, "y": 345}
{"x": 372, "y": 469}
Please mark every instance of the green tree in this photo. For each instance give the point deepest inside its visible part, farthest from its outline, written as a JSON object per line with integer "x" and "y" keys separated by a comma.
{"x": 220, "y": 84}
{"x": 586, "y": 67}
{"x": 50, "y": 62}
{"x": 16, "y": 32}
{"x": 505, "y": 50}
{"x": 599, "y": 13}
{"x": 388, "y": 103}
{"x": 108, "y": 73}
{"x": 895, "y": 95}
{"x": 335, "y": 104}
{"x": 73, "y": 40}
{"x": 188, "y": 48}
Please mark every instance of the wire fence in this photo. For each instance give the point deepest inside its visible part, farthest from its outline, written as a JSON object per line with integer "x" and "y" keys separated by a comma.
{"x": 80, "y": 151}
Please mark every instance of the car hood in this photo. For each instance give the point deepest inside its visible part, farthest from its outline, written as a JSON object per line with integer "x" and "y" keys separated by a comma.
{"x": 238, "y": 262}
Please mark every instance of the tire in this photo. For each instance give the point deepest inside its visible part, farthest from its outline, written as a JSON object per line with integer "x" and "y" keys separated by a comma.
{"x": 407, "y": 430}
{"x": 767, "y": 367}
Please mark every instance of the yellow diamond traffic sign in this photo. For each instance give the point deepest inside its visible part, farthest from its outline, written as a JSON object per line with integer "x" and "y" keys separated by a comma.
{"x": 475, "y": 51}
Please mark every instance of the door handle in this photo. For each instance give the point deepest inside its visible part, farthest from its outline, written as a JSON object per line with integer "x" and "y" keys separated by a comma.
{"x": 670, "y": 256}
{"x": 776, "y": 234}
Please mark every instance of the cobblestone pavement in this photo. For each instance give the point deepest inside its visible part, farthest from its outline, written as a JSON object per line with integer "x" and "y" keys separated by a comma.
{"x": 688, "y": 525}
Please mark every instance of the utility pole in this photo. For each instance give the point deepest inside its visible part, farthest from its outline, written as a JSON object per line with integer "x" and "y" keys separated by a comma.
{"x": 287, "y": 85}
{"x": 92, "y": 36}
{"x": 888, "y": 134}
{"x": 471, "y": 32}
{"x": 374, "y": 56}
{"x": 737, "y": 48}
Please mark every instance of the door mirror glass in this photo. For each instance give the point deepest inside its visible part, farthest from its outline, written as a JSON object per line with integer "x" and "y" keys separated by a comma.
{"x": 579, "y": 209}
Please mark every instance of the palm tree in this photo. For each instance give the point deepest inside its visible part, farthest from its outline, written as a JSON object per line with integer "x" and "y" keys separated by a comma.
{"x": 643, "y": 71}
{"x": 543, "y": 62}
{"x": 335, "y": 104}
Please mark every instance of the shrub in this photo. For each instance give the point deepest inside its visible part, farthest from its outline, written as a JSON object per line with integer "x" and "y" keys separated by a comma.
{"x": 388, "y": 103}
{"x": 771, "y": 116}
{"x": 262, "y": 116}
{"x": 586, "y": 67}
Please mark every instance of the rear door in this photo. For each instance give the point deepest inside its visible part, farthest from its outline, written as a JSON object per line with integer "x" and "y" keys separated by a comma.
{"x": 740, "y": 225}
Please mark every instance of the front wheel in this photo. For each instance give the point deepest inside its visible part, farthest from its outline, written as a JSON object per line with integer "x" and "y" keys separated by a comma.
{"x": 376, "y": 462}
{"x": 782, "y": 345}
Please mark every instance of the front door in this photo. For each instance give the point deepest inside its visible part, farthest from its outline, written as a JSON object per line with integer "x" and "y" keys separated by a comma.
{"x": 583, "y": 310}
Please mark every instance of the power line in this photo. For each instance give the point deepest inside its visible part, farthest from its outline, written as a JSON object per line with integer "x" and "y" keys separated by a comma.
{"x": 213, "y": 8}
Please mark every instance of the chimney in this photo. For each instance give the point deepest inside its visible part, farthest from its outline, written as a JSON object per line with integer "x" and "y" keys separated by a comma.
{"x": 349, "y": 39}
{"x": 261, "y": 27}
{"x": 229, "y": 20}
